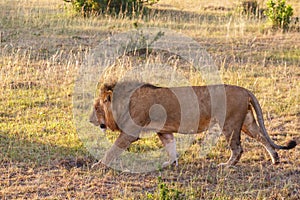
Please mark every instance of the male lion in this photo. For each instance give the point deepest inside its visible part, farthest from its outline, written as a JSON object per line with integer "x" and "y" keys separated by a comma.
{"x": 186, "y": 110}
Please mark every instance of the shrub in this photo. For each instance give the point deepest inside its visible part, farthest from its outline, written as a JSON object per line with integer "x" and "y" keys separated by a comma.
{"x": 249, "y": 7}
{"x": 165, "y": 193}
{"x": 96, "y": 7}
{"x": 279, "y": 14}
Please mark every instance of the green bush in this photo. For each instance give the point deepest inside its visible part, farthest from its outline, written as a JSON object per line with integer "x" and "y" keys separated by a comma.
{"x": 95, "y": 7}
{"x": 279, "y": 14}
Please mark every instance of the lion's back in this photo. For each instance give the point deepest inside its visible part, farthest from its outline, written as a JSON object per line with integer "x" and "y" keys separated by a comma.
{"x": 170, "y": 108}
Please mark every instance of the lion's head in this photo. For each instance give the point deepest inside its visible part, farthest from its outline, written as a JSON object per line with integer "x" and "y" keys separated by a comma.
{"x": 102, "y": 114}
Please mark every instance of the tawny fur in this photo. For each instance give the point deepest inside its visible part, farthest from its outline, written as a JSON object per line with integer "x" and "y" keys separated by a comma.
{"x": 113, "y": 113}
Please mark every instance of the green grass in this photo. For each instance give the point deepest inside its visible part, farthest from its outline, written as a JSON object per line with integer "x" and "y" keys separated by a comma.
{"x": 41, "y": 155}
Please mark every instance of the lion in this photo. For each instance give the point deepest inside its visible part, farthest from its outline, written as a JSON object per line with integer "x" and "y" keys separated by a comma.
{"x": 134, "y": 107}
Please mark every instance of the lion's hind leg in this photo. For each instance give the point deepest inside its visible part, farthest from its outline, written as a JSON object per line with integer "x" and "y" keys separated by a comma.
{"x": 233, "y": 139}
{"x": 251, "y": 128}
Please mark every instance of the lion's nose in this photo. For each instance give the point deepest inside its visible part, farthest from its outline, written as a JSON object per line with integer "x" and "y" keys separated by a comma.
{"x": 103, "y": 126}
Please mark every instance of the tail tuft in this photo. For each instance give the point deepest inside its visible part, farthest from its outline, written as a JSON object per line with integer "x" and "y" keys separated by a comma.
{"x": 291, "y": 144}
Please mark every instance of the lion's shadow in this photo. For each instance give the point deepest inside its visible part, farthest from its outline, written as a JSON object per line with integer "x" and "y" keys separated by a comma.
{"x": 16, "y": 151}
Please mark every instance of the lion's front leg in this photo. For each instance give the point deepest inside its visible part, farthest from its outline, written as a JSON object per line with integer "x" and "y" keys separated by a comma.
{"x": 108, "y": 157}
{"x": 169, "y": 142}
{"x": 121, "y": 144}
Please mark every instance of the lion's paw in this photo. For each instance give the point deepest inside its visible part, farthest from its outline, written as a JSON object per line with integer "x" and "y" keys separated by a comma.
{"x": 99, "y": 166}
{"x": 226, "y": 166}
{"x": 169, "y": 163}
{"x": 223, "y": 165}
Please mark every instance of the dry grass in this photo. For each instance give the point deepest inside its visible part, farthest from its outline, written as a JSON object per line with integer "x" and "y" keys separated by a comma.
{"x": 41, "y": 156}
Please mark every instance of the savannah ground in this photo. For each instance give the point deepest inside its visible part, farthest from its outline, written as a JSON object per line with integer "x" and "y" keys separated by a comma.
{"x": 41, "y": 157}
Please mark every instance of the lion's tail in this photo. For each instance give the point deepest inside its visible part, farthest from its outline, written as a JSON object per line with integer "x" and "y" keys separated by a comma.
{"x": 254, "y": 102}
